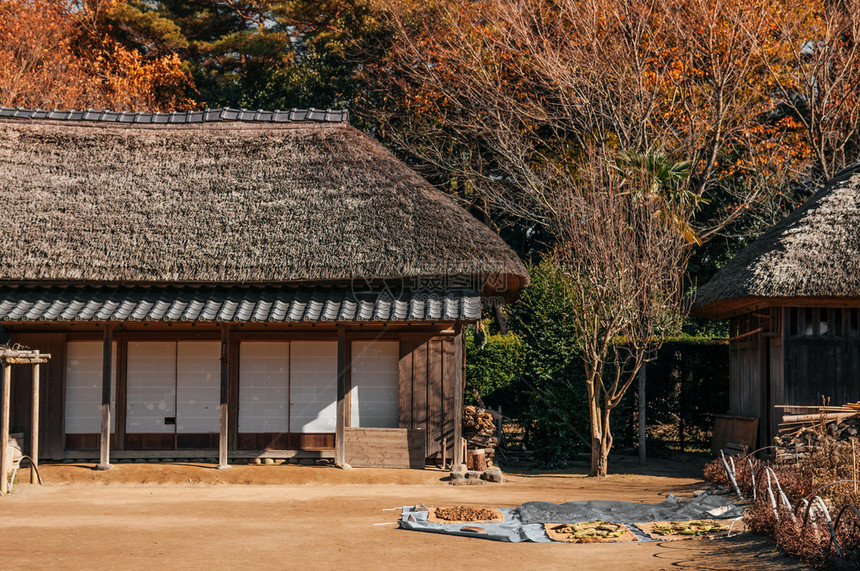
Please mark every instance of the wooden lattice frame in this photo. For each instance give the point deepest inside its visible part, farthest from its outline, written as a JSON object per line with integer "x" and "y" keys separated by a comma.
{"x": 17, "y": 356}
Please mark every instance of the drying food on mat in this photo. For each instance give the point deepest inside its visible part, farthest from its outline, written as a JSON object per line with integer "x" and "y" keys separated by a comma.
{"x": 544, "y": 522}
{"x": 465, "y": 514}
{"x": 670, "y": 530}
{"x": 589, "y": 532}
{"x": 705, "y": 506}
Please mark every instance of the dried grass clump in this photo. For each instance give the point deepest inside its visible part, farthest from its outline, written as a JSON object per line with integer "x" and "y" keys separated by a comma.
{"x": 811, "y": 543}
{"x": 715, "y": 473}
{"x": 828, "y": 471}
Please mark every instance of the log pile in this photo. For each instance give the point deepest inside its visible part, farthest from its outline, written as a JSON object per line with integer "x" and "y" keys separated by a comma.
{"x": 808, "y": 428}
{"x": 479, "y": 431}
{"x": 479, "y": 428}
{"x": 479, "y": 420}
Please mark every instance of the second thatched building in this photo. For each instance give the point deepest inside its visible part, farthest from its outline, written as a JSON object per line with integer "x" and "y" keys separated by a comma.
{"x": 792, "y": 298}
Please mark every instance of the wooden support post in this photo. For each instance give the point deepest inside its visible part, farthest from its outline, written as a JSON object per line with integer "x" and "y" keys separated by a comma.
{"x": 340, "y": 429}
{"x": 4, "y": 429}
{"x": 107, "y": 368}
{"x": 460, "y": 365}
{"x": 34, "y": 425}
{"x": 225, "y": 389}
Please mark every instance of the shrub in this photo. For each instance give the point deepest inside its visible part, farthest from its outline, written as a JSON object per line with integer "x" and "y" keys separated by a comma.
{"x": 554, "y": 410}
{"x": 494, "y": 365}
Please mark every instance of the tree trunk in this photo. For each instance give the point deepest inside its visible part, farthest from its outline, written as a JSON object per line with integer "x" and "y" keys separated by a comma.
{"x": 605, "y": 447}
{"x": 601, "y": 436}
{"x": 594, "y": 414}
{"x": 601, "y": 444}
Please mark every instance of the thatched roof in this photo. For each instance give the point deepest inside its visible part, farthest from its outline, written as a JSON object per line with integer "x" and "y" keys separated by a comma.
{"x": 813, "y": 253}
{"x": 248, "y": 201}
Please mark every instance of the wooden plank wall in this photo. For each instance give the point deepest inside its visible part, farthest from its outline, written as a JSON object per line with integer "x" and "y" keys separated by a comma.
{"x": 52, "y": 393}
{"x": 748, "y": 353}
{"x": 384, "y": 447}
{"x": 822, "y": 356}
{"x": 430, "y": 373}
{"x": 777, "y": 391}
{"x": 799, "y": 356}
{"x": 746, "y": 380}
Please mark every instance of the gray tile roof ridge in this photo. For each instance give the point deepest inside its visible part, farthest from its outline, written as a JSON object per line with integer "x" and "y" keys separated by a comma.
{"x": 220, "y": 115}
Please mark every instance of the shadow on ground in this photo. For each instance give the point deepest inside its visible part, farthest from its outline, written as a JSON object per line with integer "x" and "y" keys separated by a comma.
{"x": 685, "y": 465}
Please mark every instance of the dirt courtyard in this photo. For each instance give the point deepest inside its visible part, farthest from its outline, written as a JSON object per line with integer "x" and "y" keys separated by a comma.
{"x": 182, "y": 516}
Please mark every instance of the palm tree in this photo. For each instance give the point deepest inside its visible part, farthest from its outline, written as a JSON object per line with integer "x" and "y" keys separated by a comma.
{"x": 667, "y": 184}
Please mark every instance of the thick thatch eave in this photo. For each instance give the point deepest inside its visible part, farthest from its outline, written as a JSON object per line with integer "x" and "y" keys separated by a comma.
{"x": 811, "y": 256}
{"x": 227, "y": 203}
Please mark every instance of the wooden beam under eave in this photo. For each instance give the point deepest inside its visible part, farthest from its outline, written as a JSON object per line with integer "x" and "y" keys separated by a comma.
{"x": 225, "y": 391}
{"x": 107, "y": 368}
{"x": 725, "y": 309}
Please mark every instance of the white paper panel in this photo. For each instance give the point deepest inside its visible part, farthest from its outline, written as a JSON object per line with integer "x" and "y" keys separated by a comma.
{"x": 84, "y": 387}
{"x": 264, "y": 369}
{"x": 375, "y": 390}
{"x": 198, "y": 387}
{"x": 151, "y": 392}
{"x": 313, "y": 386}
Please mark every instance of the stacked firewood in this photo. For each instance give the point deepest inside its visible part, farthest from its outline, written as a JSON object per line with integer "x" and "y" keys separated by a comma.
{"x": 808, "y": 428}
{"x": 479, "y": 431}
{"x": 479, "y": 421}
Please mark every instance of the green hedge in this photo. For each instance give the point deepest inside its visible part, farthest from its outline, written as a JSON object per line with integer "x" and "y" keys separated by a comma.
{"x": 535, "y": 374}
{"x": 494, "y": 367}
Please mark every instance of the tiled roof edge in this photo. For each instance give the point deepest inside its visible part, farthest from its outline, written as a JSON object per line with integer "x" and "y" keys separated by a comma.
{"x": 231, "y": 304}
{"x": 181, "y": 117}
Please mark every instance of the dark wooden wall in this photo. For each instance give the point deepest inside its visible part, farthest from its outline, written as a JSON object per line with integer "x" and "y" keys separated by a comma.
{"x": 52, "y": 394}
{"x": 822, "y": 356}
{"x": 793, "y": 356}
{"x": 431, "y": 371}
{"x": 747, "y": 373}
{"x": 776, "y": 371}
{"x": 750, "y": 353}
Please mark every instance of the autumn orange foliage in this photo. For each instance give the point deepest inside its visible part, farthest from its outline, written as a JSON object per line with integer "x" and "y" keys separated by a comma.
{"x": 756, "y": 94}
{"x": 56, "y": 55}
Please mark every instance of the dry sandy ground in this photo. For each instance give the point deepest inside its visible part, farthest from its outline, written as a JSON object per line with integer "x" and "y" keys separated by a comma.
{"x": 181, "y": 516}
